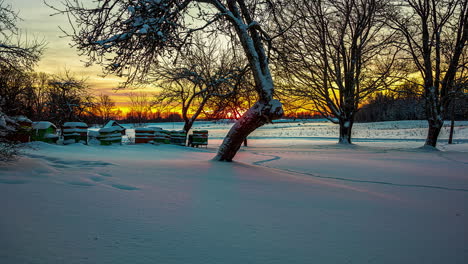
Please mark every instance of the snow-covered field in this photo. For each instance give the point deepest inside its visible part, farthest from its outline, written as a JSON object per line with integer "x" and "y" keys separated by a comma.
{"x": 292, "y": 196}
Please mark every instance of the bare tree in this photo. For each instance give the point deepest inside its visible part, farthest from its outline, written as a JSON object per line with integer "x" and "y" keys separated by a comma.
{"x": 128, "y": 36}
{"x": 436, "y": 34}
{"x": 14, "y": 85}
{"x": 236, "y": 104}
{"x": 206, "y": 73}
{"x": 39, "y": 95}
{"x": 15, "y": 52}
{"x": 68, "y": 99}
{"x": 104, "y": 107}
{"x": 140, "y": 107}
{"x": 335, "y": 56}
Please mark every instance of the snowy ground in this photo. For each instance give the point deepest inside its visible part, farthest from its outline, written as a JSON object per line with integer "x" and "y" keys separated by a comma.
{"x": 292, "y": 196}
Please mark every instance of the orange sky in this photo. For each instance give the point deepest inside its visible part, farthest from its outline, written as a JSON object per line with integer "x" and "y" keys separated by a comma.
{"x": 59, "y": 56}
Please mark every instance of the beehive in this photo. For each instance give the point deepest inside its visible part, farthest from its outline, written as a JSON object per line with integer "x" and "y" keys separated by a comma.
{"x": 75, "y": 132}
{"x": 198, "y": 138}
{"x": 178, "y": 137}
{"x": 109, "y": 135}
{"x": 44, "y": 131}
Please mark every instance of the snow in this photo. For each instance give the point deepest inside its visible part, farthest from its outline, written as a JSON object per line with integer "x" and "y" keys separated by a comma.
{"x": 75, "y": 124}
{"x": 144, "y": 29}
{"x": 78, "y": 130}
{"x": 292, "y": 196}
{"x": 42, "y": 125}
{"x": 148, "y": 129}
{"x": 111, "y": 137}
{"x": 93, "y": 133}
{"x": 110, "y": 129}
{"x": 22, "y": 119}
{"x": 112, "y": 123}
{"x": 7, "y": 123}
{"x": 275, "y": 104}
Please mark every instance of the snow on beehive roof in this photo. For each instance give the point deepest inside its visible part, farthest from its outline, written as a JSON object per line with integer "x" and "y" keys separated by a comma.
{"x": 113, "y": 123}
{"x": 110, "y": 129}
{"x": 144, "y": 129}
{"x": 22, "y": 119}
{"x": 75, "y": 124}
{"x": 42, "y": 125}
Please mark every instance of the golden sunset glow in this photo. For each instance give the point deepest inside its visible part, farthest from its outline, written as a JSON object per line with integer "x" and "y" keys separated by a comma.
{"x": 38, "y": 22}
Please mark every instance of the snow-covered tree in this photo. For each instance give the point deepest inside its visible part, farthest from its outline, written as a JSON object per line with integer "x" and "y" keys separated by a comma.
{"x": 8, "y": 126}
{"x": 128, "y": 37}
{"x": 436, "y": 35}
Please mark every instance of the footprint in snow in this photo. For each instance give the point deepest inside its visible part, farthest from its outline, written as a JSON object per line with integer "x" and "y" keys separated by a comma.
{"x": 80, "y": 183}
{"x": 105, "y": 174}
{"x": 60, "y": 166}
{"x": 125, "y": 187}
{"x": 96, "y": 178}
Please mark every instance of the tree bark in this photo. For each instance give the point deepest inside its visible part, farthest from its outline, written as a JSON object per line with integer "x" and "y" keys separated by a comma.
{"x": 346, "y": 127}
{"x": 187, "y": 126}
{"x": 433, "y": 133}
{"x": 434, "y": 115}
{"x": 452, "y": 123}
{"x": 258, "y": 115}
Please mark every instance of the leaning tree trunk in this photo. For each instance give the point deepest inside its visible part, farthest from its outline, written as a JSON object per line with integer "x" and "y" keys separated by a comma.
{"x": 346, "y": 126}
{"x": 258, "y": 115}
{"x": 266, "y": 108}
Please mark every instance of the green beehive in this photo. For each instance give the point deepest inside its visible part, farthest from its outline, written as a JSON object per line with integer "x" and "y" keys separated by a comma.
{"x": 44, "y": 131}
{"x": 178, "y": 137}
{"x": 75, "y": 132}
{"x": 198, "y": 138}
{"x": 110, "y": 135}
{"x": 162, "y": 136}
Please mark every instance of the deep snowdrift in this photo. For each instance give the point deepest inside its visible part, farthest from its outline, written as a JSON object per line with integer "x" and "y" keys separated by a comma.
{"x": 282, "y": 201}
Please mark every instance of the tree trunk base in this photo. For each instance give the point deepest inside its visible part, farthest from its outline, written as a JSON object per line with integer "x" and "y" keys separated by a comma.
{"x": 258, "y": 115}
{"x": 346, "y": 127}
{"x": 344, "y": 141}
{"x": 433, "y": 134}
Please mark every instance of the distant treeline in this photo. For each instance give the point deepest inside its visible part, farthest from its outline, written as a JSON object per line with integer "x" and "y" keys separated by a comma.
{"x": 391, "y": 107}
